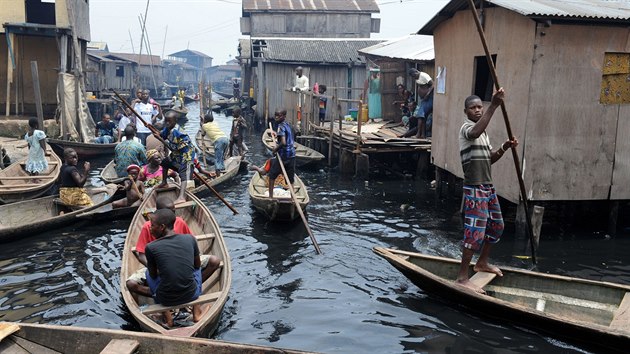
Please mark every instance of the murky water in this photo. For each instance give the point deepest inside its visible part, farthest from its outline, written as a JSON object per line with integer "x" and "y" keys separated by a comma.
{"x": 347, "y": 300}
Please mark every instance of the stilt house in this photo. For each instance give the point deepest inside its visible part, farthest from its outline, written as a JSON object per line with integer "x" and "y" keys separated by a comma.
{"x": 565, "y": 66}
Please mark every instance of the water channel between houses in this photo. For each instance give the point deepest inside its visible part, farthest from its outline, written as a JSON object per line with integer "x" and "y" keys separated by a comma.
{"x": 347, "y": 300}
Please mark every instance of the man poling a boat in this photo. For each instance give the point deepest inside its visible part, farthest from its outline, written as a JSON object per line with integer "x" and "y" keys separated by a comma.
{"x": 284, "y": 150}
{"x": 483, "y": 221}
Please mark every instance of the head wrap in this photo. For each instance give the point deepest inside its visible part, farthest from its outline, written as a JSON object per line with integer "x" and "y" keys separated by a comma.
{"x": 151, "y": 153}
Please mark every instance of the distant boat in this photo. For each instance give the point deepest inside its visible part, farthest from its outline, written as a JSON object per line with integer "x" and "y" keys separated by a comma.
{"x": 224, "y": 94}
{"x": 232, "y": 165}
{"x": 303, "y": 155}
{"x": 43, "y": 338}
{"x": 277, "y": 208}
{"x": 84, "y": 150}
{"x": 16, "y": 184}
{"x": 594, "y": 312}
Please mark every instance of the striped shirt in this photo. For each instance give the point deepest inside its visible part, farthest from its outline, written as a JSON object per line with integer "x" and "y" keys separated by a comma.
{"x": 475, "y": 154}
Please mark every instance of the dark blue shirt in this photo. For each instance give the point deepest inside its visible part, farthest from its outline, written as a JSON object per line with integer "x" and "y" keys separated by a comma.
{"x": 287, "y": 151}
{"x": 106, "y": 129}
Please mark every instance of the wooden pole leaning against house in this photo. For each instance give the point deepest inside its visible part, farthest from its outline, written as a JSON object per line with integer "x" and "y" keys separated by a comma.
{"x": 157, "y": 136}
{"x": 508, "y": 127}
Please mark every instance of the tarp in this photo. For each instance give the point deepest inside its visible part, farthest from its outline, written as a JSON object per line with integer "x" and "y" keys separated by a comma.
{"x": 77, "y": 124}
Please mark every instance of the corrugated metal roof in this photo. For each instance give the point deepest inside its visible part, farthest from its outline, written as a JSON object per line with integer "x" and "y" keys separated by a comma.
{"x": 310, "y": 5}
{"x": 413, "y": 47}
{"x": 307, "y": 50}
{"x": 597, "y": 11}
{"x": 144, "y": 59}
{"x": 187, "y": 52}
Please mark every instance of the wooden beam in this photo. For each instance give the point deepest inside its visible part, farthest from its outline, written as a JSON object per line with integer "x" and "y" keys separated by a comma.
{"x": 121, "y": 346}
{"x": 200, "y": 300}
{"x": 38, "y": 94}
{"x": 621, "y": 319}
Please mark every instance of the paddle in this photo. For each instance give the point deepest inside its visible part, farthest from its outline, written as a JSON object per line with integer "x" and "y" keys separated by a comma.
{"x": 297, "y": 203}
{"x": 135, "y": 188}
{"x": 517, "y": 165}
{"x": 157, "y": 136}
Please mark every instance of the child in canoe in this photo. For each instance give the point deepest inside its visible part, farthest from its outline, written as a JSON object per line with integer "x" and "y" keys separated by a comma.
{"x": 134, "y": 194}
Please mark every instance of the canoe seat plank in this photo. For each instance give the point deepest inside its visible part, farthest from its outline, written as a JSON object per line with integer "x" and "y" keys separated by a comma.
{"x": 200, "y": 300}
{"x": 6, "y": 329}
{"x": 482, "y": 279}
{"x": 185, "y": 204}
{"x": 120, "y": 346}
{"x": 205, "y": 237}
{"x": 621, "y": 318}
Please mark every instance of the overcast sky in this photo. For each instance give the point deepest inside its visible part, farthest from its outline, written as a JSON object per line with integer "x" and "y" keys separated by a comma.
{"x": 212, "y": 26}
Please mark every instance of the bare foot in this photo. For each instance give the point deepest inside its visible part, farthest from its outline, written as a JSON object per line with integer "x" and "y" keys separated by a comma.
{"x": 489, "y": 268}
{"x": 196, "y": 313}
{"x": 469, "y": 285}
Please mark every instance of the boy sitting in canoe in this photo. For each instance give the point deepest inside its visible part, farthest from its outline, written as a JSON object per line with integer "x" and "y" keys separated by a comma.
{"x": 137, "y": 282}
{"x": 173, "y": 266}
{"x": 134, "y": 194}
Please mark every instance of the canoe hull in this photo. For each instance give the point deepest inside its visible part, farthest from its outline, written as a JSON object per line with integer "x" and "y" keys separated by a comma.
{"x": 13, "y": 189}
{"x": 277, "y": 209}
{"x": 232, "y": 166}
{"x": 303, "y": 154}
{"x": 84, "y": 150}
{"x": 27, "y": 218}
{"x": 201, "y": 222}
{"x": 80, "y": 340}
{"x": 567, "y": 309}
{"x": 109, "y": 175}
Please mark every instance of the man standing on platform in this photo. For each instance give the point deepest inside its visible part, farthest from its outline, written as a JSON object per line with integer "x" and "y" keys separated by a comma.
{"x": 483, "y": 222}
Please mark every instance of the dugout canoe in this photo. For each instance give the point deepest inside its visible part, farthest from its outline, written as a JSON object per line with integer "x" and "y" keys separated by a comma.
{"x": 109, "y": 175}
{"x": 281, "y": 209}
{"x": 232, "y": 165}
{"x": 593, "y": 312}
{"x": 210, "y": 240}
{"x": 26, "y": 218}
{"x": 181, "y": 111}
{"x": 16, "y": 184}
{"x": 84, "y": 150}
{"x": 303, "y": 155}
{"x": 208, "y": 148}
{"x": 43, "y": 338}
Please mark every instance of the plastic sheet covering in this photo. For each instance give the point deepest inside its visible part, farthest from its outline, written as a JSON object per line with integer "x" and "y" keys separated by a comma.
{"x": 78, "y": 124}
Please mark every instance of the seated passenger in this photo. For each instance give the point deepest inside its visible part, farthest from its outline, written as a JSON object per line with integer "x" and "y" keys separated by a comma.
{"x": 134, "y": 194}
{"x": 71, "y": 191}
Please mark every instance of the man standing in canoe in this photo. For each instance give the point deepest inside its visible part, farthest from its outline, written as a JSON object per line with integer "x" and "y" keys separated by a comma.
{"x": 284, "y": 149}
{"x": 483, "y": 222}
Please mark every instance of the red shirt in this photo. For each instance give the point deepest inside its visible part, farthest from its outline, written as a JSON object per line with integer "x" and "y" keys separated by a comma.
{"x": 180, "y": 227}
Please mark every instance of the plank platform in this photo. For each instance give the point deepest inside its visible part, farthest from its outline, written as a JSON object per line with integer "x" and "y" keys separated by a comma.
{"x": 205, "y": 237}
{"x": 200, "y": 300}
{"x": 621, "y": 318}
{"x": 121, "y": 346}
{"x": 482, "y": 279}
{"x": 185, "y": 204}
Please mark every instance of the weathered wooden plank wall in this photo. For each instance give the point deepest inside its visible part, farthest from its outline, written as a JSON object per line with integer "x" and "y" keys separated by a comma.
{"x": 314, "y": 25}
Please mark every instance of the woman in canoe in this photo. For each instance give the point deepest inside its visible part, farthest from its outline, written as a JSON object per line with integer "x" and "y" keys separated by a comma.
{"x": 71, "y": 191}
{"x": 151, "y": 173}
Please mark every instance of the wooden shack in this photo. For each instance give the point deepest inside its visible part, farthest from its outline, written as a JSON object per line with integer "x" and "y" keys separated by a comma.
{"x": 325, "y": 61}
{"x": 180, "y": 73}
{"x": 394, "y": 58}
{"x": 310, "y": 19}
{"x": 565, "y": 66}
{"x": 104, "y": 74}
{"x": 39, "y": 31}
{"x": 195, "y": 59}
{"x": 148, "y": 69}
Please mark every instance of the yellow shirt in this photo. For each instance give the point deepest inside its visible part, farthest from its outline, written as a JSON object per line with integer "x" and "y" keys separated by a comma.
{"x": 213, "y": 132}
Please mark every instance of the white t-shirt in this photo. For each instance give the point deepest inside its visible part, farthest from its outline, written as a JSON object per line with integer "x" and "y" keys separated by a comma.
{"x": 146, "y": 111}
{"x": 301, "y": 83}
{"x": 123, "y": 123}
{"x": 135, "y": 138}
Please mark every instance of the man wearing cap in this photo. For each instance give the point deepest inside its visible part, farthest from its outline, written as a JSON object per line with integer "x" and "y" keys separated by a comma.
{"x": 129, "y": 152}
{"x": 424, "y": 111}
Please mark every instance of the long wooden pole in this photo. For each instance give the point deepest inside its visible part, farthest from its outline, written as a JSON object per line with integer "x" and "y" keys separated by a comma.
{"x": 201, "y": 118}
{"x": 297, "y": 203}
{"x": 508, "y": 127}
{"x": 157, "y": 136}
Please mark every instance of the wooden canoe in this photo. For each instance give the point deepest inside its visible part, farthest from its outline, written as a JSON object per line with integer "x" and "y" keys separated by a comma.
{"x": 303, "y": 155}
{"x": 210, "y": 240}
{"x": 181, "y": 112}
{"x": 42, "y": 338}
{"x": 26, "y": 218}
{"x": 84, "y": 150}
{"x": 17, "y": 185}
{"x": 109, "y": 175}
{"x": 277, "y": 208}
{"x": 592, "y": 312}
{"x": 232, "y": 165}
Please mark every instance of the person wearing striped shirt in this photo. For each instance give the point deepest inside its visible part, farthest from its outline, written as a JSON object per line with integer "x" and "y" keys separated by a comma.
{"x": 483, "y": 222}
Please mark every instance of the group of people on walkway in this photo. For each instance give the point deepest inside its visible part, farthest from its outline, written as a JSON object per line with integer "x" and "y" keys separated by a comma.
{"x": 417, "y": 116}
